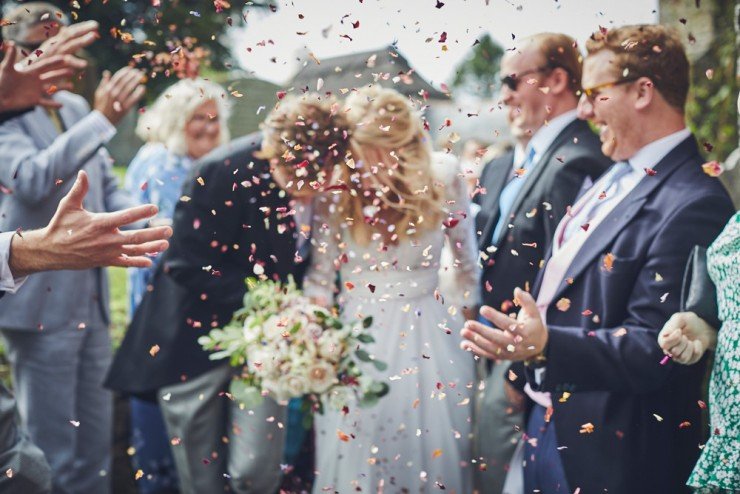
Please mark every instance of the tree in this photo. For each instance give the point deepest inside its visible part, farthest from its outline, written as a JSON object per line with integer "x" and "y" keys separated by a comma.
{"x": 479, "y": 71}
{"x": 160, "y": 36}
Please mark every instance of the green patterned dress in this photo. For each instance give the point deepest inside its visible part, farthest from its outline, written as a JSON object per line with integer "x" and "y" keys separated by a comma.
{"x": 718, "y": 468}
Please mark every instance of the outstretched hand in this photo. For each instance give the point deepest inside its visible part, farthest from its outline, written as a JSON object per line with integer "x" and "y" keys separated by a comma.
{"x": 510, "y": 339}
{"x": 78, "y": 239}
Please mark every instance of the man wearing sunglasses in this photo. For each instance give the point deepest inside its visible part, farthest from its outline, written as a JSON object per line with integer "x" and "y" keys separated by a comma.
{"x": 528, "y": 192}
{"x": 619, "y": 418}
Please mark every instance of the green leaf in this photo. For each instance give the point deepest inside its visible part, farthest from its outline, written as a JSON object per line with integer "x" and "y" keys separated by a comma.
{"x": 363, "y": 355}
{"x": 365, "y": 338}
{"x": 307, "y": 420}
{"x": 367, "y": 322}
{"x": 381, "y": 366}
{"x": 244, "y": 393}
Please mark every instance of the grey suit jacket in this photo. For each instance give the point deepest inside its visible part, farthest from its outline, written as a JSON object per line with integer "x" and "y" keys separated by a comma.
{"x": 38, "y": 168}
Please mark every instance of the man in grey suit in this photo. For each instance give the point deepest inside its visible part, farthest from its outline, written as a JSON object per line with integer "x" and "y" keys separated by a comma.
{"x": 56, "y": 329}
{"x": 94, "y": 241}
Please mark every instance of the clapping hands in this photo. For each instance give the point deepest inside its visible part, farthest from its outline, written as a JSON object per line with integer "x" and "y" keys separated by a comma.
{"x": 510, "y": 339}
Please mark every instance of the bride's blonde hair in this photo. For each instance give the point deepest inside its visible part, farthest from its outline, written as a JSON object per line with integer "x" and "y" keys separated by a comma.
{"x": 393, "y": 169}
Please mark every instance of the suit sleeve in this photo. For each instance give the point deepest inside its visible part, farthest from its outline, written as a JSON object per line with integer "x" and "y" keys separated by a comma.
{"x": 206, "y": 226}
{"x": 610, "y": 359}
{"x": 32, "y": 172}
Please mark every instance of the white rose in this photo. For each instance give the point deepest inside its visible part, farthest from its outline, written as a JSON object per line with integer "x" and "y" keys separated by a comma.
{"x": 330, "y": 346}
{"x": 274, "y": 328}
{"x": 292, "y": 386}
{"x": 321, "y": 376}
{"x": 339, "y": 397}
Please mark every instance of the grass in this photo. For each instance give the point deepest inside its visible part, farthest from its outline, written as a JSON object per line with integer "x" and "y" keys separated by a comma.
{"x": 118, "y": 297}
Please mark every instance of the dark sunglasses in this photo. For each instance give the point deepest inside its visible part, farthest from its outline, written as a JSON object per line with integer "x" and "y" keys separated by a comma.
{"x": 512, "y": 81}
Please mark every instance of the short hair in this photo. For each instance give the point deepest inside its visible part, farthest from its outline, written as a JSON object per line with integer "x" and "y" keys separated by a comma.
{"x": 307, "y": 130}
{"x": 651, "y": 51}
{"x": 23, "y": 17}
{"x": 560, "y": 51}
{"x": 165, "y": 120}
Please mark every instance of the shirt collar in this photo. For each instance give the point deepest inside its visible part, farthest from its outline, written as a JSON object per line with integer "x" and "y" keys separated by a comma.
{"x": 545, "y": 135}
{"x": 650, "y": 155}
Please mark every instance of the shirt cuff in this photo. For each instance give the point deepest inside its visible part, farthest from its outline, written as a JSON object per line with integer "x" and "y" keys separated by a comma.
{"x": 8, "y": 283}
{"x": 102, "y": 126}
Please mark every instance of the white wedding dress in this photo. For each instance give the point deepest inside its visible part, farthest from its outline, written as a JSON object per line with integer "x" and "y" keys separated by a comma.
{"x": 417, "y": 438}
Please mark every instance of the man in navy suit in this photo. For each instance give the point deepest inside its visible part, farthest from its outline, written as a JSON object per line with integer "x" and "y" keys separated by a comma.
{"x": 611, "y": 414}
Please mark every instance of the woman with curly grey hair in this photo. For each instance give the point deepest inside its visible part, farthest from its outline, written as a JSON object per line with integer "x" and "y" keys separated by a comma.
{"x": 185, "y": 123}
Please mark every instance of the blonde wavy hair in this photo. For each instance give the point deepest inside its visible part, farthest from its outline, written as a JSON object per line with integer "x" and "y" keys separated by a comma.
{"x": 306, "y": 135}
{"x": 165, "y": 120}
{"x": 392, "y": 179}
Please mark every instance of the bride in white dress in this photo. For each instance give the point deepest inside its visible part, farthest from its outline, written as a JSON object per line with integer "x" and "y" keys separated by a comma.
{"x": 376, "y": 245}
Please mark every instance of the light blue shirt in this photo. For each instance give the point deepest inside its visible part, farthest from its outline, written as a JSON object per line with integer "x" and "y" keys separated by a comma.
{"x": 536, "y": 149}
{"x": 154, "y": 176}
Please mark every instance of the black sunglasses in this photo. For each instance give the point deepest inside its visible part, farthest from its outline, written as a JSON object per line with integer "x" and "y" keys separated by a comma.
{"x": 512, "y": 81}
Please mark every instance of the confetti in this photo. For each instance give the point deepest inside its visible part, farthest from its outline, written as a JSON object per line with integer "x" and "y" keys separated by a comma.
{"x": 563, "y": 304}
{"x": 712, "y": 168}
{"x": 608, "y": 262}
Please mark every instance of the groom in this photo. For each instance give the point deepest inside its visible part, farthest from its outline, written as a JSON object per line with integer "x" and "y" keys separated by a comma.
{"x": 244, "y": 212}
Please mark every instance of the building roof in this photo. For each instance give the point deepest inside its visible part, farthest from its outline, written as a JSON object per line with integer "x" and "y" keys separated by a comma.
{"x": 383, "y": 66}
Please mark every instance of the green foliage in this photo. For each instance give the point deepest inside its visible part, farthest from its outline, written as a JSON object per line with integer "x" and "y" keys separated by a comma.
{"x": 477, "y": 74}
{"x": 711, "y": 109}
{"x": 134, "y": 31}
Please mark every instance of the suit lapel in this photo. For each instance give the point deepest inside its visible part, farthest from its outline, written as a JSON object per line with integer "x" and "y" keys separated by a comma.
{"x": 542, "y": 164}
{"x": 616, "y": 221}
{"x": 495, "y": 181}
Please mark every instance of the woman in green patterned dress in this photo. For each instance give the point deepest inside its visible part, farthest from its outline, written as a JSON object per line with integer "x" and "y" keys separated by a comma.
{"x": 686, "y": 337}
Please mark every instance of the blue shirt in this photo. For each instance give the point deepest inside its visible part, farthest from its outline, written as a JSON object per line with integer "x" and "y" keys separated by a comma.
{"x": 154, "y": 176}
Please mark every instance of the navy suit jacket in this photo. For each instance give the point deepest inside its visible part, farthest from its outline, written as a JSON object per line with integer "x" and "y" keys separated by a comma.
{"x": 603, "y": 350}
{"x": 515, "y": 257}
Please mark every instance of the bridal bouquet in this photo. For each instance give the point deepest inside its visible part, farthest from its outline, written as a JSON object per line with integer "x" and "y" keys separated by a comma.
{"x": 288, "y": 347}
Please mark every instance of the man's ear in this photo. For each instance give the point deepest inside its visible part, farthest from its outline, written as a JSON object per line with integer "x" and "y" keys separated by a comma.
{"x": 560, "y": 81}
{"x": 645, "y": 93}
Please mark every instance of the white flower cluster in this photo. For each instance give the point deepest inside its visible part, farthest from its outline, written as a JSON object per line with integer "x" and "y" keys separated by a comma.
{"x": 287, "y": 347}
{"x": 292, "y": 354}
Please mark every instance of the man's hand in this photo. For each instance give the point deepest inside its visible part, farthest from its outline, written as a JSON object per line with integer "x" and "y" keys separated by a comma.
{"x": 686, "y": 336}
{"x": 79, "y": 239}
{"x": 515, "y": 339}
{"x": 69, "y": 40}
{"x": 117, "y": 94}
{"x": 25, "y": 85}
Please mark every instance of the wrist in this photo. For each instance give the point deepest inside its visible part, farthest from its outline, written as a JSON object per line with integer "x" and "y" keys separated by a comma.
{"x": 540, "y": 358}
{"x": 28, "y": 253}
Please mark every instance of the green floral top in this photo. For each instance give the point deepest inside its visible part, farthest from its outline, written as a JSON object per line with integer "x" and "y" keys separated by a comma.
{"x": 718, "y": 468}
